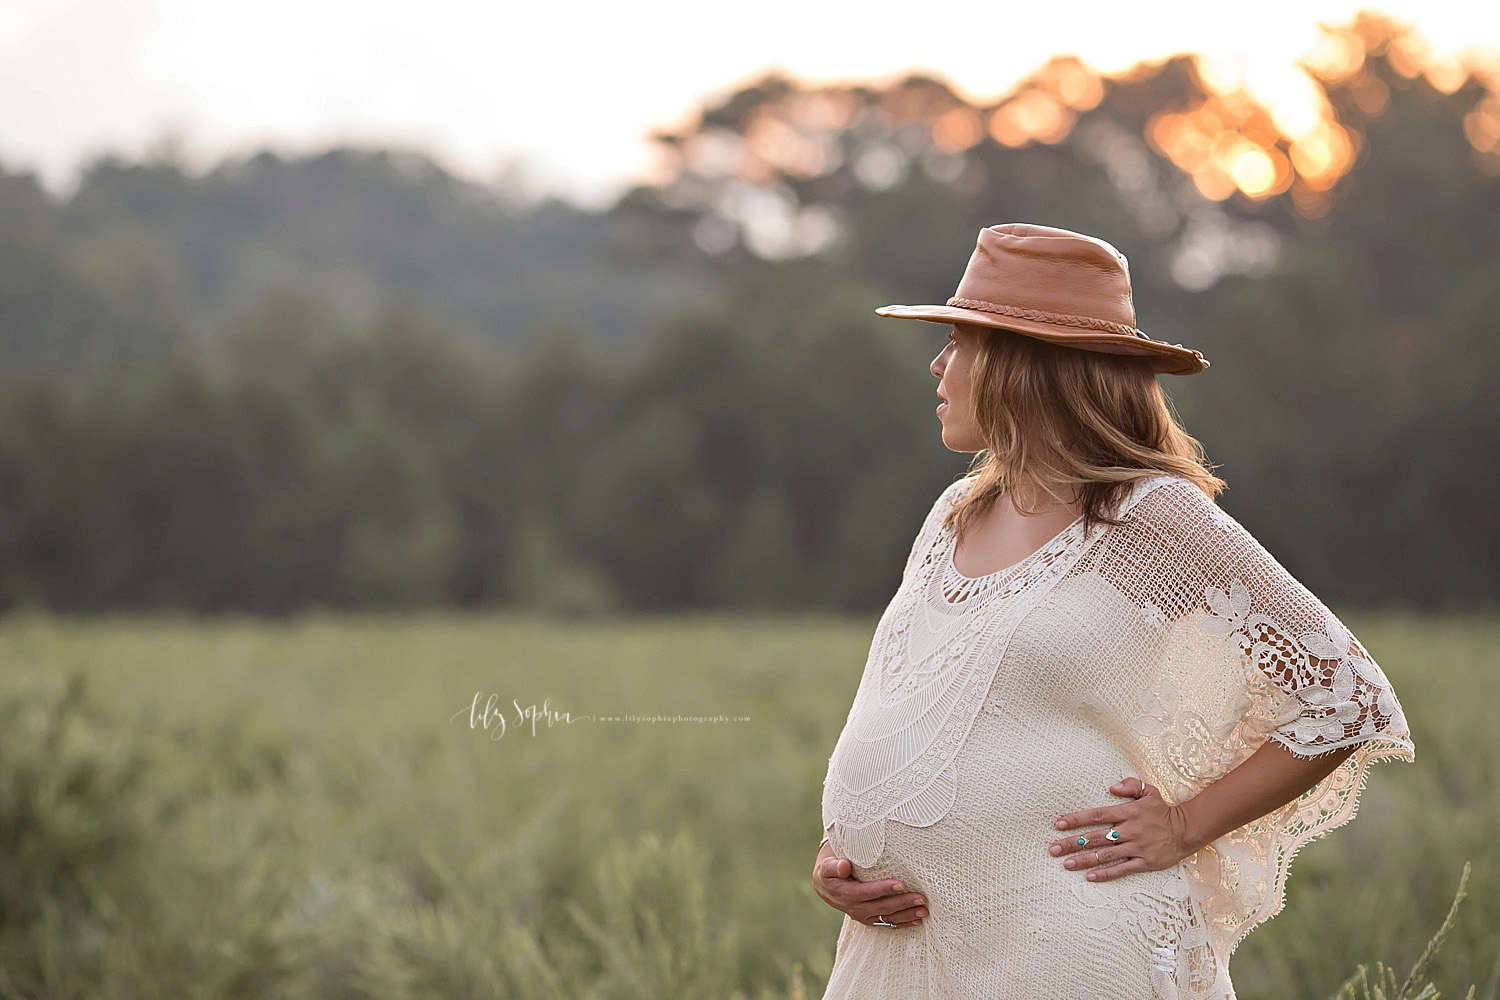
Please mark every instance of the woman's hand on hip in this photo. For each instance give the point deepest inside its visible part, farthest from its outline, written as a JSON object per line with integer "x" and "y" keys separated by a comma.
{"x": 1146, "y": 834}
{"x": 834, "y": 882}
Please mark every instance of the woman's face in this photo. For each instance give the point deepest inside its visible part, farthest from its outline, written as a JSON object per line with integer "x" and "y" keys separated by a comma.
{"x": 952, "y": 367}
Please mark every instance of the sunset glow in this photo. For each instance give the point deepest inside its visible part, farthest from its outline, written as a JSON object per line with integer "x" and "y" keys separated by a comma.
{"x": 1266, "y": 140}
{"x": 1248, "y": 130}
{"x": 130, "y": 76}
{"x": 1260, "y": 130}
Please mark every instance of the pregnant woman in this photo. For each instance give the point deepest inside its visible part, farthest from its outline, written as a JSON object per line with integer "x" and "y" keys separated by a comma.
{"x": 1098, "y": 718}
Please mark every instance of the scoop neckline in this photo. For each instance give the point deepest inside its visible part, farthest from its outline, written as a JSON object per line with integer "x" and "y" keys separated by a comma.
{"x": 952, "y": 547}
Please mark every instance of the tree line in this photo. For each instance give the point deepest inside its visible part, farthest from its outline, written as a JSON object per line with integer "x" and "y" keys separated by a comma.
{"x": 352, "y": 380}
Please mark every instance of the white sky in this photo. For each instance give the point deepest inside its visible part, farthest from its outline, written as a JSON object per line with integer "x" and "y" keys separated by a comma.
{"x": 572, "y": 87}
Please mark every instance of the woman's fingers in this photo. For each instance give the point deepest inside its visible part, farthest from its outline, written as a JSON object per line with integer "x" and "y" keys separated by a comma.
{"x": 1086, "y": 840}
{"x": 867, "y": 909}
{"x": 856, "y": 891}
{"x": 909, "y": 916}
{"x": 1105, "y": 863}
{"x": 1115, "y": 871}
{"x": 1131, "y": 787}
{"x": 1095, "y": 858}
{"x": 864, "y": 900}
{"x": 1094, "y": 817}
{"x": 835, "y": 868}
{"x": 1126, "y": 839}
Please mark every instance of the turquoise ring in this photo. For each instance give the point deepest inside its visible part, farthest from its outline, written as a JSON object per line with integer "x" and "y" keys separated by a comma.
{"x": 1112, "y": 835}
{"x": 1082, "y": 841}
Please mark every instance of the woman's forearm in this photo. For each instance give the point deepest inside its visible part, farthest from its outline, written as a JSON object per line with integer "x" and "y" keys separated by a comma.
{"x": 1262, "y": 783}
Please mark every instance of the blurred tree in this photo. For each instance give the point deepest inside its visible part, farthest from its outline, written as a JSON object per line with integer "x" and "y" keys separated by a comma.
{"x": 61, "y": 307}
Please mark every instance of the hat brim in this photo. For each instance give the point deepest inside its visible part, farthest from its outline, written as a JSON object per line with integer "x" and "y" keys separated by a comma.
{"x": 1166, "y": 359}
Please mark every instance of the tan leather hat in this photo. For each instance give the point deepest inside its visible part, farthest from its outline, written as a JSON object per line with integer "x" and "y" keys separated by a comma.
{"x": 1054, "y": 285}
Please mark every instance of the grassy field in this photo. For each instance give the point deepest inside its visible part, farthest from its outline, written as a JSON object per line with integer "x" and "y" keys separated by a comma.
{"x": 234, "y": 808}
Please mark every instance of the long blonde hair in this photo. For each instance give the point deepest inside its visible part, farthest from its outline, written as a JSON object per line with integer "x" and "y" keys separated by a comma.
{"x": 1054, "y": 417}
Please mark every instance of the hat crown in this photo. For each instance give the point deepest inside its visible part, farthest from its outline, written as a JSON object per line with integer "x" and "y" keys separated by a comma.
{"x": 1047, "y": 270}
{"x": 1055, "y": 285}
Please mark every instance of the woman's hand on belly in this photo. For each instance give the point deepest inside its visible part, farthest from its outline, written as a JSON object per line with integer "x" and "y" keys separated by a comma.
{"x": 1144, "y": 835}
{"x": 1152, "y": 834}
{"x": 834, "y": 882}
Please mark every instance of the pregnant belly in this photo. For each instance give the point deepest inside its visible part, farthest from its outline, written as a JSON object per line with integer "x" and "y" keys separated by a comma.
{"x": 1001, "y": 908}
{"x": 990, "y": 851}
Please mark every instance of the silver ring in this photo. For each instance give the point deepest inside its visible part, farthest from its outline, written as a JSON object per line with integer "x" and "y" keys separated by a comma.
{"x": 881, "y": 922}
{"x": 1112, "y": 836}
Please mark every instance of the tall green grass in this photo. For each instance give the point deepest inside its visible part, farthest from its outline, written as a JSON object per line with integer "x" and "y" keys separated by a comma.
{"x": 235, "y": 808}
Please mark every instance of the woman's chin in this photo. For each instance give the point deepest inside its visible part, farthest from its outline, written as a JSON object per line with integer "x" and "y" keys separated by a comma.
{"x": 960, "y": 443}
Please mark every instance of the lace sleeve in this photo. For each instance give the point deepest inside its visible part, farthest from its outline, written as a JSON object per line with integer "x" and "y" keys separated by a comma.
{"x": 1336, "y": 694}
{"x": 1258, "y": 657}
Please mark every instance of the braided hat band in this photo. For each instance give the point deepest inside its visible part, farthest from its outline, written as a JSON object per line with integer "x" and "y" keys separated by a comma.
{"x": 1055, "y": 285}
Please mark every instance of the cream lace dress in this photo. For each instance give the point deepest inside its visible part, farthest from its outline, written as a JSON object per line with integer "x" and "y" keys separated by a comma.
{"x": 1169, "y": 648}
